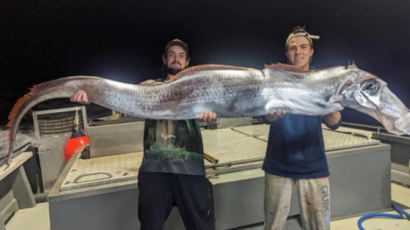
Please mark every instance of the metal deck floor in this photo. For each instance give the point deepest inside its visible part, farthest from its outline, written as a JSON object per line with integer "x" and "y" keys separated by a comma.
{"x": 239, "y": 143}
{"x": 38, "y": 217}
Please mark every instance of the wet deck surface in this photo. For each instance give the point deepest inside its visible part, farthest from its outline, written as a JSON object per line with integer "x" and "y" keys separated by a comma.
{"x": 400, "y": 196}
{"x": 239, "y": 143}
{"x": 38, "y": 217}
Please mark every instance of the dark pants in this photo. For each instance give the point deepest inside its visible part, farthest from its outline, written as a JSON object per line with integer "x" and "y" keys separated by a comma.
{"x": 158, "y": 192}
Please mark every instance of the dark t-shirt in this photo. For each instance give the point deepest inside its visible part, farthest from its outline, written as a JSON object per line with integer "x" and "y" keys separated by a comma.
{"x": 173, "y": 146}
{"x": 296, "y": 148}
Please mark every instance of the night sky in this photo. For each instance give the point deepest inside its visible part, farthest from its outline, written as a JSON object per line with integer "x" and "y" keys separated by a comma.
{"x": 123, "y": 40}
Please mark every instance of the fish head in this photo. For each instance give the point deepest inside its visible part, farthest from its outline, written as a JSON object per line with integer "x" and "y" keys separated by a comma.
{"x": 369, "y": 94}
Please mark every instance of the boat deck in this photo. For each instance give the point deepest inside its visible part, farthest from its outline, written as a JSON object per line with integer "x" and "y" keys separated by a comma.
{"x": 241, "y": 149}
{"x": 38, "y": 217}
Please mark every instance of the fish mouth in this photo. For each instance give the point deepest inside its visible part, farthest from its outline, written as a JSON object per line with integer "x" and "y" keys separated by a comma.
{"x": 402, "y": 125}
{"x": 395, "y": 125}
{"x": 386, "y": 108}
{"x": 393, "y": 114}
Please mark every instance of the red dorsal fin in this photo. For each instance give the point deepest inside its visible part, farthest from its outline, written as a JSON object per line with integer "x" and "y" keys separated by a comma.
{"x": 19, "y": 103}
{"x": 285, "y": 67}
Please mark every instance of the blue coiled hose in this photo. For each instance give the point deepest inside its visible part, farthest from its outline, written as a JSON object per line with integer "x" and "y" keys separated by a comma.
{"x": 402, "y": 215}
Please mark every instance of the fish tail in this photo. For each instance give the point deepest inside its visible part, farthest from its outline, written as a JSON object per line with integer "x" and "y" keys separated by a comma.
{"x": 38, "y": 93}
{"x": 15, "y": 111}
{"x": 10, "y": 155}
{"x": 19, "y": 103}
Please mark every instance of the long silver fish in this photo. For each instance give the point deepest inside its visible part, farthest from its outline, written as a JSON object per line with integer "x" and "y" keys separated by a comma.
{"x": 232, "y": 91}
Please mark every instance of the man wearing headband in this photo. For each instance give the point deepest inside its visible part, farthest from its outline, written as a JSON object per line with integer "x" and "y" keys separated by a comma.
{"x": 295, "y": 154}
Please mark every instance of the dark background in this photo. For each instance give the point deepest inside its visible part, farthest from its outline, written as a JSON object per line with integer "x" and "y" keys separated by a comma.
{"x": 123, "y": 40}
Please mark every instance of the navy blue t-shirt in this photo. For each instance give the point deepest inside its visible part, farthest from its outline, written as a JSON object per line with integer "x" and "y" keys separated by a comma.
{"x": 295, "y": 148}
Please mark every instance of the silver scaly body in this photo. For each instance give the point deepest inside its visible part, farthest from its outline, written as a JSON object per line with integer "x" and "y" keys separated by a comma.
{"x": 231, "y": 91}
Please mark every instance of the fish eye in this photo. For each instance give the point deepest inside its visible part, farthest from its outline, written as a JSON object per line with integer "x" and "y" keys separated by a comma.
{"x": 370, "y": 86}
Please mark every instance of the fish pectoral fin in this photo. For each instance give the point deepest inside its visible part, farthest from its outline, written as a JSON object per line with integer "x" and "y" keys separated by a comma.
{"x": 335, "y": 102}
{"x": 334, "y": 99}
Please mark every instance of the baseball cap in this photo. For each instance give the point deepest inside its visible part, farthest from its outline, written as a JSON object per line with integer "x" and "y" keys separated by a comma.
{"x": 177, "y": 42}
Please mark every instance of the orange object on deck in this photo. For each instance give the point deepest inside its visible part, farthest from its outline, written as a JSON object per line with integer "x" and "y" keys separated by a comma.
{"x": 73, "y": 145}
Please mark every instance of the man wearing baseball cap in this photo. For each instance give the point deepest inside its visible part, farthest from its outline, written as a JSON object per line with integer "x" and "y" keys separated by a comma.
{"x": 172, "y": 172}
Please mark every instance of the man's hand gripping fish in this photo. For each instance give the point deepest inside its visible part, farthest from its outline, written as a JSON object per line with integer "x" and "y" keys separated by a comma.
{"x": 232, "y": 91}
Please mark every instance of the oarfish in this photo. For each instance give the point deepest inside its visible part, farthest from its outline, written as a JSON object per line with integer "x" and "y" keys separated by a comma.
{"x": 232, "y": 91}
